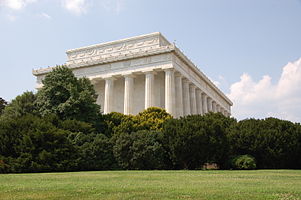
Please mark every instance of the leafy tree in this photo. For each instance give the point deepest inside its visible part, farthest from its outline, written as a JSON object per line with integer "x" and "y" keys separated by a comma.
{"x": 68, "y": 97}
{"x": 150, "y": 119}
{"x": 22, "y": 105}
{"x": 273, "y": 142}
{"x": 32, "y": 144}
{"x": 3, "y": 103}
{"x": 95, "y": 149}
{"x": 113, "y": 122}
{"x": 140, "y": 150}
{"x": 195, "y": 140}
{"x": 98, "y": 154}
{"x": 76, "y": 126}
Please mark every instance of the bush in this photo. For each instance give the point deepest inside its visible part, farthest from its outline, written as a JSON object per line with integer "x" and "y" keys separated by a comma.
{"x": 140, "y": 150}
{"x": 244, "y": 162}
{"x": 195, "y": 140}
{"x": 274, "y": 143}
{"x": 33, "y": 144}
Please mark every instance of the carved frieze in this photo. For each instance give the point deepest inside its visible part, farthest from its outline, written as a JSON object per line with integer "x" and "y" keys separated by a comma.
{"x": 115, "y": 49}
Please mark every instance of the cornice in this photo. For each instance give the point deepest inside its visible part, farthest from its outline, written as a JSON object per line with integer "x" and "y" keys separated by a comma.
{"x": 122, "y": 57}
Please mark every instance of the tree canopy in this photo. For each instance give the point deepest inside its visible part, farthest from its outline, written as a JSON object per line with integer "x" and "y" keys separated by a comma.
{"x": 67, "y": 96}
{"x": 21, "y": 105}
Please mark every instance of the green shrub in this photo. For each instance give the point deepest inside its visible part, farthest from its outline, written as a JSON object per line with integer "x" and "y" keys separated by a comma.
{"x": 244, "y": 162}
{"x": 140, "y": 150}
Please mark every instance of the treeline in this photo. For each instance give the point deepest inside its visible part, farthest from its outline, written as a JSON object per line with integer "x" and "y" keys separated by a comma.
{"x": 61, "y": 129}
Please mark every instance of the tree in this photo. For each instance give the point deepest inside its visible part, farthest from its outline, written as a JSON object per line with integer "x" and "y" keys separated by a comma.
{"x": 33, "y": 144}
{"x": 113, "y": 122}
{"x": 194, "y": 140}
{"x": 68, "y": 97}
{"x": 140, "y": 150}
{"x": 151, "y": 119}
{"x": 273, "y": 142}
{"x": 95, "y": 149}
{"x": 22, "y": 105}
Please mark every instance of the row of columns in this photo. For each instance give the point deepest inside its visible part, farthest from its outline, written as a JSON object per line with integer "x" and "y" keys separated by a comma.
{"x": 181, "y": 96}
{"x": 192, "y": 100}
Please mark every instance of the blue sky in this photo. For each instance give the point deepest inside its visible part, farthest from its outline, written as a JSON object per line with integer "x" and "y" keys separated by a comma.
{"x": 243, "y": 45}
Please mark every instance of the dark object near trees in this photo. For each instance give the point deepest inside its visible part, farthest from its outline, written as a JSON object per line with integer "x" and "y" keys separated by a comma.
{"x": 3, "y": 103}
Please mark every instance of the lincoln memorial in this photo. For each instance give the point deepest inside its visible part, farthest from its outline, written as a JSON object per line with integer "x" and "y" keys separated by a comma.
{"x": 135, "y": 73}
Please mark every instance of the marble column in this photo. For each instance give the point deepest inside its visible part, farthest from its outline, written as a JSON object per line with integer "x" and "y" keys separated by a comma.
{"x": 149, "y": 89}
{"x": 229, "y": 112}
{"x": 209, "y": 103}
{"x": 128, "y": 94}
{"x": 199, "y": 102}
{"x": 205, "y": 106}
{"x": 186, "y": 97}
{"x": 217, "y": 108}
{"x": 213, "y": 106}
{"x": 109, "y": 98}
{"x": 222, "y": 110}
{"x": 179, "y": 95}
{"x": 192, "y": 99}
{"x": 169, "y": 91}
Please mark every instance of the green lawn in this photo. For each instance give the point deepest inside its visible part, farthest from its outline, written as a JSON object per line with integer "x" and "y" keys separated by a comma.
{"x": 245, "y": 185}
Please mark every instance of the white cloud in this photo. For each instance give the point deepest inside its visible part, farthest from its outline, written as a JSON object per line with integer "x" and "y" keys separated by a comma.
{"x": 77, "y": 7}
{"x": 15, "y": 4}
{"x": 264, "y": 99}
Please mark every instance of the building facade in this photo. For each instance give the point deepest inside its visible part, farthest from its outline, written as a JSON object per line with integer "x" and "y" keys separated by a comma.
{"x": 133, "y": 74}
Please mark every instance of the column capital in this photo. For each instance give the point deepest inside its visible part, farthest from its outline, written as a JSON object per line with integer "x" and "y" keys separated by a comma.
{"x": 151, "y": 71}
{"x": 199, "y": 91}
{"x": 169, "y": 69}
{"x": 94, "y": 80}
{"x": 128, "y": 75}
{"x": 109, "y": 78}
{"x": 185, "y": 80}
{"x": 191, "y": 85}
{"x": 178, "y": 74}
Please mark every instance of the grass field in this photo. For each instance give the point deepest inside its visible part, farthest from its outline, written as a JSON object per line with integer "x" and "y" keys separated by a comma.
{"x": 224, "y": 185}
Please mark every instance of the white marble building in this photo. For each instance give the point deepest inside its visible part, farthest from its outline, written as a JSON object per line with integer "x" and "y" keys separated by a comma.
{"x": 135, "y": 73}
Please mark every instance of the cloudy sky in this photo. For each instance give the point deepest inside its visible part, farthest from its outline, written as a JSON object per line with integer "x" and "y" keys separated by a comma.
{"x": 250, "y": 48}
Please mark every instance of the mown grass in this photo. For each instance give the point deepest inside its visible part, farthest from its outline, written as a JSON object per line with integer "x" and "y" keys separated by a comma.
{"x": 222, "y": 185}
